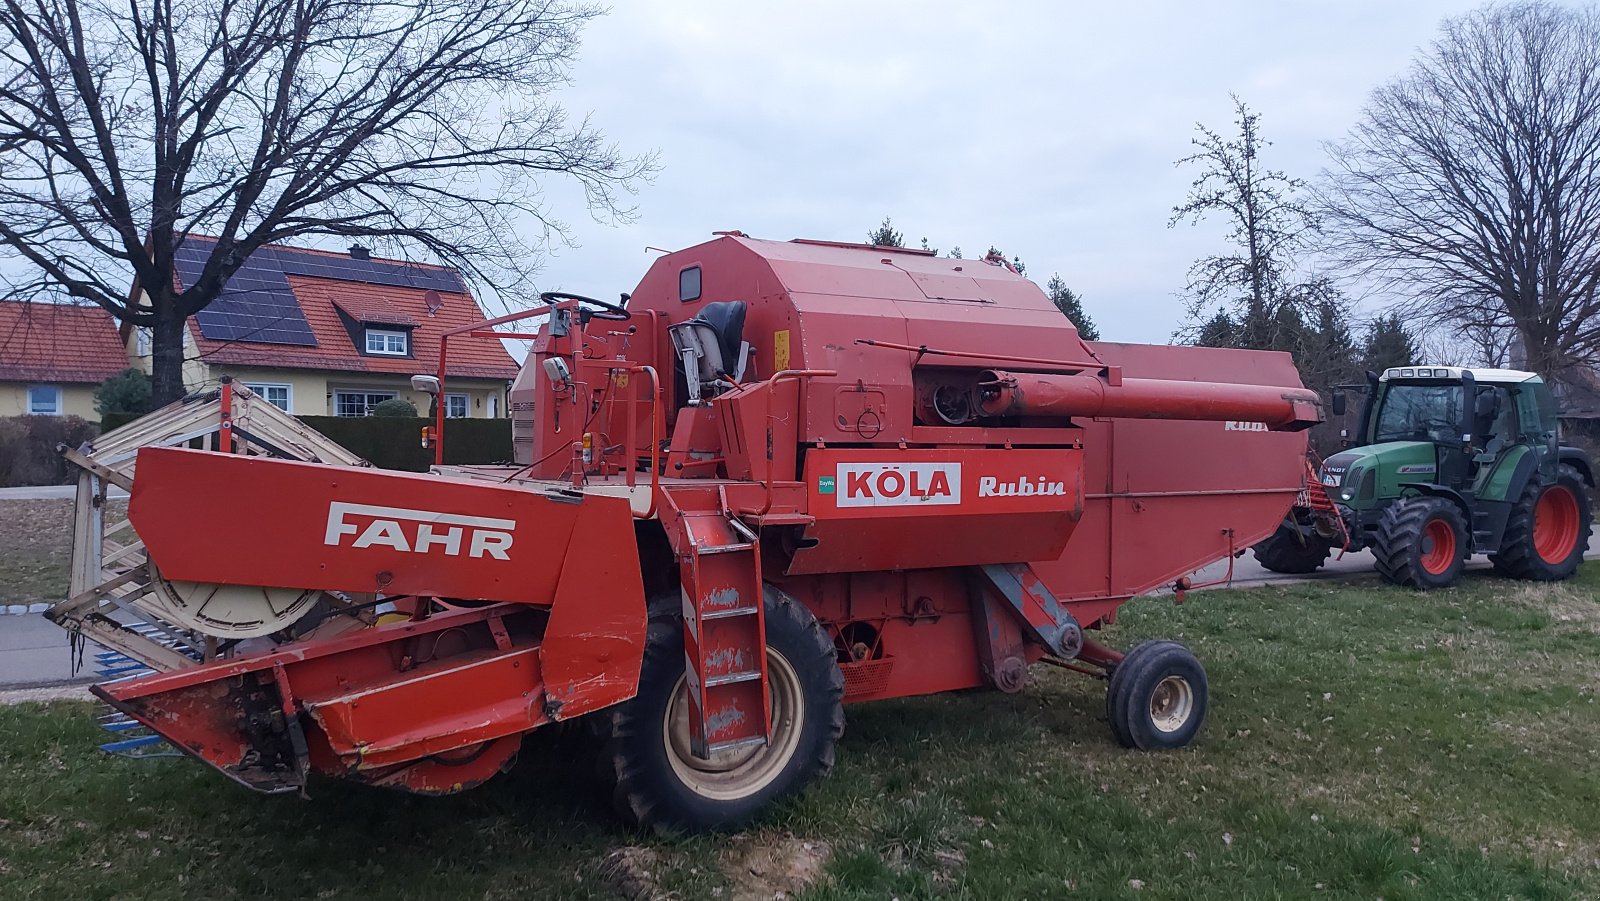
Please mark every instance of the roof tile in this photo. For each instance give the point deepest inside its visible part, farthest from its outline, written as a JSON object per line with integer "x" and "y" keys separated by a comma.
{"x": 48, "y": 342}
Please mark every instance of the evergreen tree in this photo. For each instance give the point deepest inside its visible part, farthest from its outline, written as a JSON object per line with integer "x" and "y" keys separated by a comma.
{"x": 1067, "y": 301}
{"x": 886, "y": 236}
{"x": 1387, "y": 344}
{"x": 126, "y": 392}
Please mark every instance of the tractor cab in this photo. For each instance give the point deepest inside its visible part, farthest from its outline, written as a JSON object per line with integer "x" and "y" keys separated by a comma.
{"x": 1446, "y": 462}
{"x": 1445, "y": 428}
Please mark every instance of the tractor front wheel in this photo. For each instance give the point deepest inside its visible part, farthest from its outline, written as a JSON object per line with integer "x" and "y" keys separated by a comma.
{"x": 659, "y": 782}
{"x": 1548, "y": 530}
{"x": 1421, "y": 543}
{"x": 1157, "y": 697}
{"x": 1290, "y": 550}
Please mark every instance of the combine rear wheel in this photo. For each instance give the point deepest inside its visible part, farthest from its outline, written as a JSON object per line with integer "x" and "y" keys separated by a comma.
{"x": 1548, "y": 530}
{"x": 1421, "y": 543}
{"x": 660, "y": 783}
{"x": 1288, "y": 550}
{"x": 1157, "y": 697}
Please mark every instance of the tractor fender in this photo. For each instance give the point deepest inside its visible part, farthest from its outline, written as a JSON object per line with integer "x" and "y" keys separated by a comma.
{"x": 1433, "y": 490}
{"x": 1578, "y": 459}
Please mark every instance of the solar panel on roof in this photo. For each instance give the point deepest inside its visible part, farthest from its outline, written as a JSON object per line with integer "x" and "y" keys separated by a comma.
{"x": 258, "y": 305}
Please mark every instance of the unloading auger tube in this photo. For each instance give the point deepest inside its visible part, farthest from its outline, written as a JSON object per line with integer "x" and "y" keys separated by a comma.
{"x": 997, "y": 393}
{"x": 801, "y": 475}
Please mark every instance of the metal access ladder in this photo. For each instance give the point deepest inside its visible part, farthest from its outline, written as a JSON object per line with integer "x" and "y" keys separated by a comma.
{"x": 724, "y": 639}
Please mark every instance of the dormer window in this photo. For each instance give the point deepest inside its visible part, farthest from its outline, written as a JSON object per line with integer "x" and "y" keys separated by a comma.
{"x": 388, "y": 342}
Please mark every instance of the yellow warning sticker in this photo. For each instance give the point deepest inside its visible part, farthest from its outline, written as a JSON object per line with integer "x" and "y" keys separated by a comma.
{"x": 780, "y": 349}
{"x": 620, "y": 379}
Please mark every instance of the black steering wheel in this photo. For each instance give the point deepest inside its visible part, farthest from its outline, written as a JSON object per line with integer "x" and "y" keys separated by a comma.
{"x": 610, "y": 311}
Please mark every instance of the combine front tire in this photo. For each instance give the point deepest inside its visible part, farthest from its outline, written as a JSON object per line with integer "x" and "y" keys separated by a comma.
{"x": 1157, "y": 697}
{"x": 1289, "y": 551}
{"x": 1421, "y": 543}
{"x": 659, "y": 783}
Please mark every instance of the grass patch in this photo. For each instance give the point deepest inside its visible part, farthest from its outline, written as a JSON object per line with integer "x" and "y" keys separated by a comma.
{"x": 1363, "y": 741}
{"x": 35, "y": 550}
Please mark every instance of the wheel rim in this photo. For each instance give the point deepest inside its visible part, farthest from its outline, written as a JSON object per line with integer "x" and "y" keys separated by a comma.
{"x": 1171, "y": 704}
{"x": 1438, "y": 546}
{"x": 740, "y": 772}
{"x": 1555, "y": 524}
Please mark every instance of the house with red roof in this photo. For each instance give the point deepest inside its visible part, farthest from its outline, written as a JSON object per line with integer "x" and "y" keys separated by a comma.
{"x": 53, "y": 356}
{"x": 322, "y": 333}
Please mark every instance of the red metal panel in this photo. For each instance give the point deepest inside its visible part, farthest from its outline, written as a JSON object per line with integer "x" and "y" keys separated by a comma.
{"x": 904, "y": 509}
{"x": 423, "y": 714}
{"x": 304, "y": 525}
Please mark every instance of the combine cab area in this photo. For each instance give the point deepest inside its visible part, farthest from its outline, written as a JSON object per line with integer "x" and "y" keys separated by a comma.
{"x": 781, "y": 478}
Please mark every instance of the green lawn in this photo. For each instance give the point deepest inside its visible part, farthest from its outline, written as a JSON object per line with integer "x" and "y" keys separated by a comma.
{"x": 1363, "y": 742}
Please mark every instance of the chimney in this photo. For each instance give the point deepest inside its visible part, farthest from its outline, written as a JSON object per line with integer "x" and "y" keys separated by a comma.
{"x": 359, "y": 252}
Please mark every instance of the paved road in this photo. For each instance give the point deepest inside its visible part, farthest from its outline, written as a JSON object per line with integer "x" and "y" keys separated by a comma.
{"x": 33, "y": 651}
{"x": 1247, "y": 572}
{"x": 48, "y": 492}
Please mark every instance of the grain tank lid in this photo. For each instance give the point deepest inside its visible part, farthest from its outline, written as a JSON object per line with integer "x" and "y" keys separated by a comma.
{"x": 827, "y": 268}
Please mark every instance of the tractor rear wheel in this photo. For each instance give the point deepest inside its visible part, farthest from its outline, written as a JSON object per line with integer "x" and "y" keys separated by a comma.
{"x": 1157, "y": 697}
{"x": 1289, "y": 551}
{"x": 660, "y": 783}
{"x": 1421, "y": 543}
{"x": 1548, "y": 530}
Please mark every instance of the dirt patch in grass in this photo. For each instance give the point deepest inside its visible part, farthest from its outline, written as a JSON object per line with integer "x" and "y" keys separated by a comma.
{"x": 769, "y": 867}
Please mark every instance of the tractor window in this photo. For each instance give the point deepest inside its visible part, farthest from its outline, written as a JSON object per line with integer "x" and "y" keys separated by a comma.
{"x": 1419, "y": 413}
{"x": 1536, "y": 407}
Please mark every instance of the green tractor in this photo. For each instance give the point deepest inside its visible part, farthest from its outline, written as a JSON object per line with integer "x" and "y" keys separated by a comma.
{"x": 1446, "y": 463}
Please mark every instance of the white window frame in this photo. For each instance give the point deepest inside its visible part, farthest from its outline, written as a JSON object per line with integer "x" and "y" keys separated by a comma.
{"x": 264, "y": 391}
{"x": 466, "y": 406}
{"x": 390, "y": 343}
{"x": 141, "y": 341}
{"x": 494, "y": 405}
{"x": 55, "y": 400}
{"x": 367, "y": 395}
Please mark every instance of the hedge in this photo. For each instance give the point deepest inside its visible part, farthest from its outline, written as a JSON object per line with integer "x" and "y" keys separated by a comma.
{"x": 28, "y": 453}
{"x": 395, "y": 442}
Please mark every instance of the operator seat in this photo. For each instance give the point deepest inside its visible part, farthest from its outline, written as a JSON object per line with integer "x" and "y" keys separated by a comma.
{"x": 712, "y": 352}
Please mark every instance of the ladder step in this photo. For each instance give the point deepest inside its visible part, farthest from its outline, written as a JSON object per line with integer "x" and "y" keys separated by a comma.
{"x": 732, "y": 611}
{"x": 721, "y": 746}
{"x": 723, "y": 549}
{"x": 730, "y": 678}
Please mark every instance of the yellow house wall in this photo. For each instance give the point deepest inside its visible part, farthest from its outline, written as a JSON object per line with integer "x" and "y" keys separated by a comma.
{"x": 311, "y": 392}
{"x": 76, "y": 400}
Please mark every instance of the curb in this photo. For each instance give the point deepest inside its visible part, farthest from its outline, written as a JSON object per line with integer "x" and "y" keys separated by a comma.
{"x": 22, "y": 609}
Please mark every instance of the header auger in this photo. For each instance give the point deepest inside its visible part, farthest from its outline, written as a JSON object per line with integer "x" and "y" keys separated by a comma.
{"x": 779, "y": 478}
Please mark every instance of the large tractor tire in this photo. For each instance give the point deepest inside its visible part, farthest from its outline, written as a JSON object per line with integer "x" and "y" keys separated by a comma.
{"x": 1289, "y": 551}
{"x": 1157, "y": 697}
{"x": 1421, "y": 543}
{"x": 659, "y": 783}
{"x": 1548, "y": 530}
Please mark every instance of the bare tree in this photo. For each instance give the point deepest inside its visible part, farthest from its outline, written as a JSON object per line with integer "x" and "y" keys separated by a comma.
{"x": 1471, "y": 186}
{"x": 419, "y": 125}
{"x": 1267, "y": 223}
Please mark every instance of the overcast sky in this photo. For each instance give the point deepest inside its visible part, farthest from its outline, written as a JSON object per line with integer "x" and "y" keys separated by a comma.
{"x": 1048, "y": 129}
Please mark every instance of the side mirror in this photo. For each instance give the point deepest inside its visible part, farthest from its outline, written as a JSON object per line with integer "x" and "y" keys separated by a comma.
{"x": 427, "y": 384}
{"x": 1338, "y": 403}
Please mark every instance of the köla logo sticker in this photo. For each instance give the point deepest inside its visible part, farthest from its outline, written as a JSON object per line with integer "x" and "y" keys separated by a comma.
{"x": 894, "y": 484}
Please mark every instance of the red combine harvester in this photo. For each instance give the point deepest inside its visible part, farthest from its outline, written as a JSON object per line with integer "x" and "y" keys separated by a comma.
{"x": 779, "y": 478}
